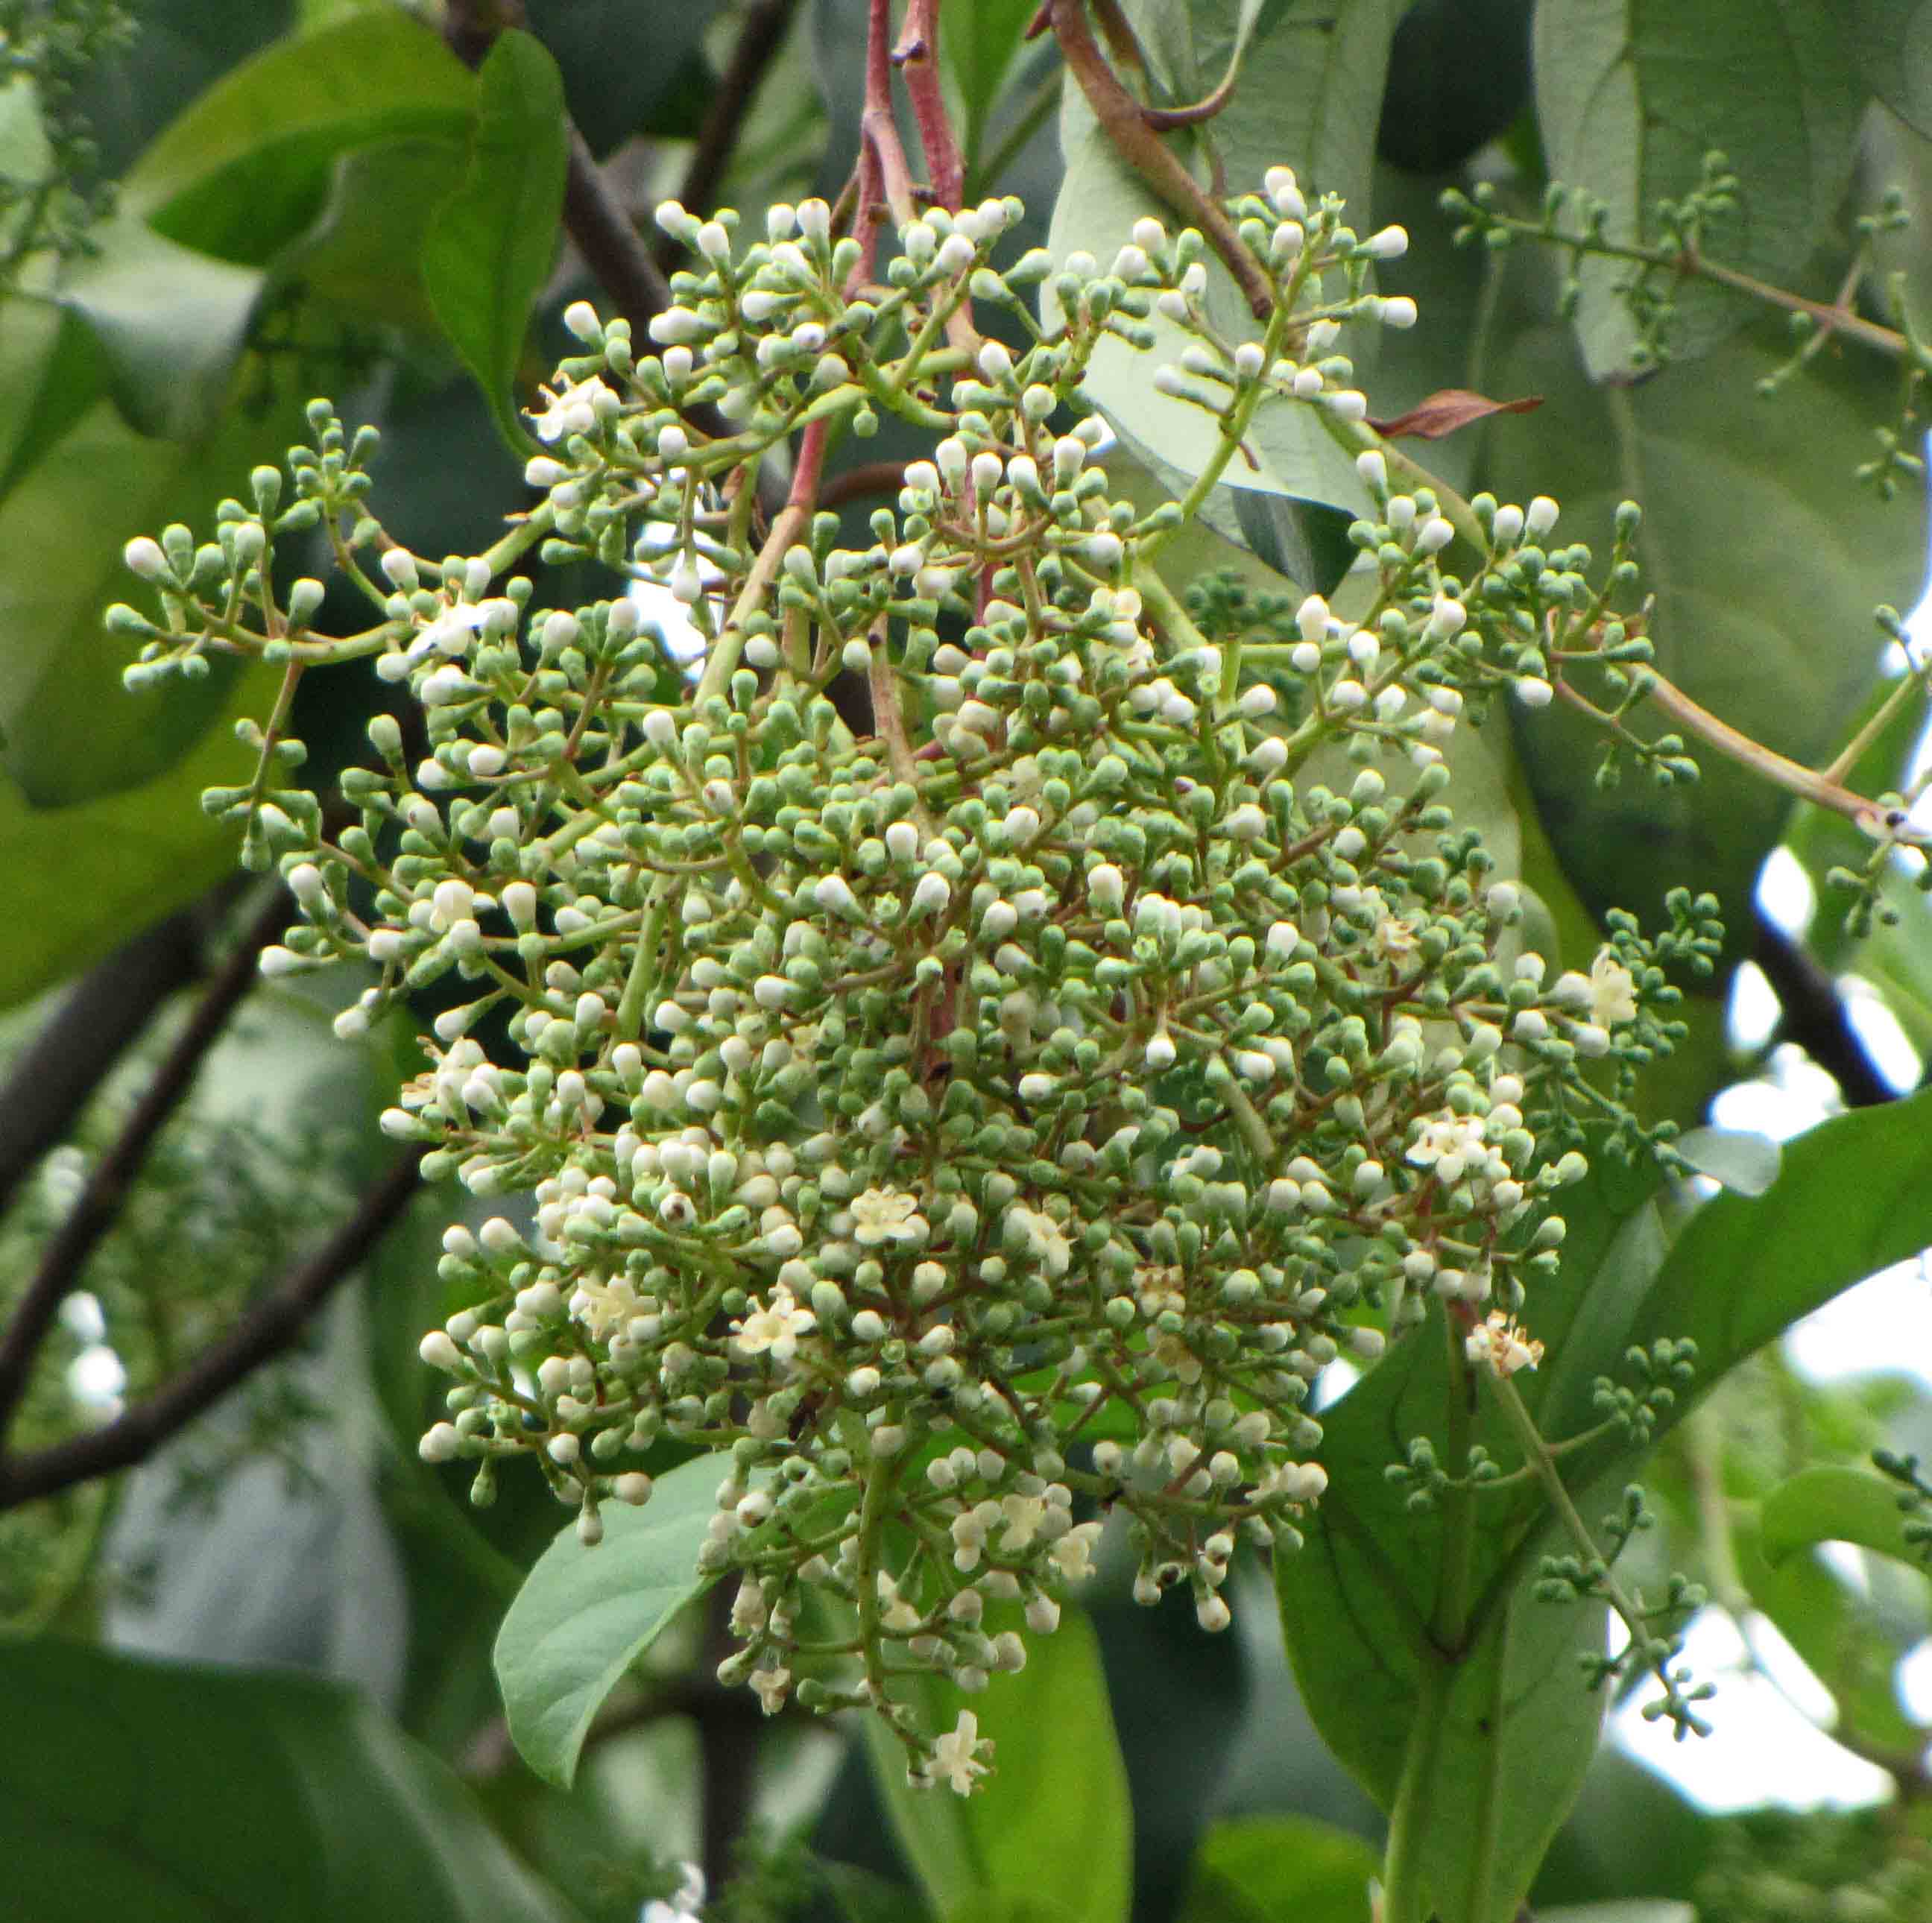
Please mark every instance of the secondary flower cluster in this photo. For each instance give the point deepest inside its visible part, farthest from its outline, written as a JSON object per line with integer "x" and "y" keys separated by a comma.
{"x": 997, "y": 1110}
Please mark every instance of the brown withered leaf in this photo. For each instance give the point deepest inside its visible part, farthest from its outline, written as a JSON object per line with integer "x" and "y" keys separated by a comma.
{"x": 1446, "y": 410}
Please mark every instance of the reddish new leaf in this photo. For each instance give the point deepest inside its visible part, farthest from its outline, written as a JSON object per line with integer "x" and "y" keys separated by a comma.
{"x": 1446, "y": 409}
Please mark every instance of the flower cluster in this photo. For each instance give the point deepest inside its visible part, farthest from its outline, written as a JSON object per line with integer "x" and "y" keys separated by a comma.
{"x": 997, "y": 1111}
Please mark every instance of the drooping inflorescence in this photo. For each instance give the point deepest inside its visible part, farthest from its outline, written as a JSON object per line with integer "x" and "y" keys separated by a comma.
{"x": 994, "y": 1110}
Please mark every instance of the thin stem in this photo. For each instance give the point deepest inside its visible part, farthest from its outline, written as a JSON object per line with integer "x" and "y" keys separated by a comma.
{"x": 1842, "y": 764}
{"x": 878, "y": 128}
{"x": 99, "y": 1205}
{"x": 270, "y": 1327}
{"x": 1692, "y": 264}
{"x": 1542, "y": 1465}
{"x": 1120, "y": 116}
{"x": 101, "y": 1017}
{"x": 1454, "y": 1598}
{"x": 917, "y": 58}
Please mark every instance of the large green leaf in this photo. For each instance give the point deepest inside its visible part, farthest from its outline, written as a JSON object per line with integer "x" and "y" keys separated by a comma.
{"x": 52, "y": 371}
{"x": 1310, "y": 88}
{"x": 181, "y": 1794}
{"x": 1890, "y": 42}
{"x": 1632, "y": 95}
{"x": 1047, "y": 1838}
{"x": 72, "y": 732}
{"x": 489, "y": 250}
{"x": 1426, "y": 1663}
{"x": 1260, "y": 1869}
{"x": 1765, "y": 560}
{"x": 1828, "y": 1503}
{"x": 246, "y": 169}
{"x": 584, "y": 1616}
{"x": 363, "y": 254}
{"x": 172, "y": 322}
{"x": 980, "y": 44}
{"x": 81, "y": 879}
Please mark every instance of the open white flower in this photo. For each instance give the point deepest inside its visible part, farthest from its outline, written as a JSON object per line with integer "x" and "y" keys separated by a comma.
{"x": 1501, "y": 1342}
{"x": 1072, "y": 1553}
{"x": 954, "y": 1755}
{"x": 1023, "y": 1514}
{"x": 1612, "y": 990}
{"x": 604, "y": 1305}
{"x": 1045, "y": 1241}
{"x": 776, "y": 1328}
{"x": 886, "y": 1215}
{"x": 772, "y": 1686}
{"x": 1449, "y": 1145}
{"x": 573, "y": 408}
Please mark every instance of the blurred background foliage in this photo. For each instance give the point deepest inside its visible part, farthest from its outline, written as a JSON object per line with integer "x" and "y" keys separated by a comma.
{"x": 249, "y": 1673}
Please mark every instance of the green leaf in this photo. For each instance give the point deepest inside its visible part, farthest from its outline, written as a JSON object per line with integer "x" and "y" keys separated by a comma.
{"x": 980, "y": 44}
{"x": 1891, "y": 43}
{"x": 1260, "y": 1869}
{"x": 620, "y": 61}
{"x": 73, "y": 732}
{"x": 1831, "y": 1504}
{"x": 1048, "y": 1835}
{"x": 1764, "y": 559}
{"x": 363, "y": 254}
{"x": 1854, "y": 1195}
{"x": 1747, "y": 1163}
{"x": 172, "y": 322}
{"x": 1853, "y": 1647}
{"x": 1310, "y": 87}
{"x": 1630, "y": 97}
{"x": 490, "y": 247}
{"x": 245, "y": 169}
{"x": 52, "y": 371}
{"x": 81, "y": 880}
{"x": 181, "y": 1794}
{"x": 1448, "y": 1732}
{"x": 1446, "y": 1724}
{"x": 584, "y": 1616}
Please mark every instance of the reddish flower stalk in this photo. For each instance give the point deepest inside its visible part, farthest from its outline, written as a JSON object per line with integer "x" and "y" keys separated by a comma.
{"x": 917, "y": 57}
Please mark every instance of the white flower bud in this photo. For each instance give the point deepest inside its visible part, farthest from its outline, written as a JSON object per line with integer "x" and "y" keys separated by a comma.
{"x": 1391, "y": 244}
{"x": 1541, "y": 516}
{"x": 144, "y": 557}
{"x": 440, "y": 1444}
{"x": 437, "y": 1350}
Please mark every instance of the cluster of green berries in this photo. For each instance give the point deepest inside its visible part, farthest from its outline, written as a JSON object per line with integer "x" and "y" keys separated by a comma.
{"x": 996, "y": 1113}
